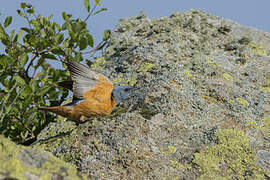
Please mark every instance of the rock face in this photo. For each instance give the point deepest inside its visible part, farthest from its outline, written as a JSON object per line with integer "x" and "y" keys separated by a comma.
{"x": 21, "y": 163}
{"x": 201, "y": 108}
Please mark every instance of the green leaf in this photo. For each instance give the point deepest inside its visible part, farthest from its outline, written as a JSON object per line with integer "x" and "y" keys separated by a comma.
{"x": 102, "y": 9}
{"x": 51, "y": 30}
{"x": 34, "y": 84}
{"x": 31, "y": 11}
{"x": 23, "y": 59}
{"x": 26, "y": 29}
{"x": 83, "y": 43}
{"x": 90, "y": 40}
{"x": 19, "y": 80}
{"x": 106, "y": 35}
{"x": 20, "y": 13}
{"x": 26, "y": 91}
{"x": 59, "y": 38}
{"x": 23, "y": 5}
{"x": 3, "y": 61}
{"x": 66, "y": 25}
{"x": 78, "y": 56}
{"x": 58, "y": 51}
{"x": 20, "y": 34}
{"x": 7, "y": 22}
{"x": 57, "y": 26}
{"x": 48, "y": 56}
{"x": 15, "y": 38}
{"x": 89, "y": 63}
{"x": 87, "y": 5}
{"x": 35, "y": 23}
{"x": 64, "y": 15}
{"x": 97, "y": 2}
{"x": 2, "y": 32}
{"x": 12, "y": 33}
{"x": 43, "y": 90}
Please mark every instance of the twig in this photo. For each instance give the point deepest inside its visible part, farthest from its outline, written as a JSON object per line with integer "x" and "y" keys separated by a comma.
{"x": 29, "y": 24}
{"x": 31, "y": 62}
{"x": 94, "y": 50}
{"x": 90, "y": 13}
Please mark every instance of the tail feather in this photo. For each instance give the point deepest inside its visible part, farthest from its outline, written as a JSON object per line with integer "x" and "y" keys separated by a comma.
{"x": 64, "y": 111}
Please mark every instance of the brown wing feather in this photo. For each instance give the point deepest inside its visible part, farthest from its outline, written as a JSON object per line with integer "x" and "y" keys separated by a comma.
{"x": 88, "y": 84}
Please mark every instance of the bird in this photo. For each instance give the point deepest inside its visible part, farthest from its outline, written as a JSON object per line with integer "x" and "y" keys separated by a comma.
{"x": 93, "y": 94}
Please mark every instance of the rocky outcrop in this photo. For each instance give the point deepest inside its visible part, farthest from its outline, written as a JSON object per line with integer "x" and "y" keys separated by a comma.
{"x": 201, "y": 108}
{"x": 18, "y": 162}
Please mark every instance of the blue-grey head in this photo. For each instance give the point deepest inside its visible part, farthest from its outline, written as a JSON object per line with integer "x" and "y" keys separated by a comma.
{"x": 121, "y": 93}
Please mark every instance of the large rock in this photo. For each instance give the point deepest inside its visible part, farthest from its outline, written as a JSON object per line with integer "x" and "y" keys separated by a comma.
{"x": 18, "y": 162}
{"x": 201, "y": 110}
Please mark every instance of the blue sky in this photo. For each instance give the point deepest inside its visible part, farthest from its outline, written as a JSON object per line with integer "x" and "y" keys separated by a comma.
{"x": 247, "y": 12}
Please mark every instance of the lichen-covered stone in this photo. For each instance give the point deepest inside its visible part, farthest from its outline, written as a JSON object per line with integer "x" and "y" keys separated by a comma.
{"x": 232, "y": 158}
{"x": 18, "y": 162}
{"x": 199, "y": 79}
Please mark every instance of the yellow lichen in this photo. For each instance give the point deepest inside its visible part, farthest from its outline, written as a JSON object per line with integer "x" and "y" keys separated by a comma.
{"x": 132, "y": 80}
{"x": 265, "y": 89}
{"x": 253, "y": 124}
{"x": 259, "y": 49}
{"x": 187, "y": 72}
{"x": 145, "y": 66}
{"x": 118, "y": 79}
{"x": 231, "y": 101}
{"x": 243, "y": 101}
{"x": 228, "y": 77}
{"x": 99, "y": 63}
{"x": 211, "y": 63}
{"x": 172, "y": 149}
{"x": 266, "y": 122}
{"x": 177, "y": 164}
{"x": 231, "y": 159}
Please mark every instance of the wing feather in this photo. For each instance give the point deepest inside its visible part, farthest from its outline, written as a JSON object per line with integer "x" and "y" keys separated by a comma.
{"x": 84, "y": 79}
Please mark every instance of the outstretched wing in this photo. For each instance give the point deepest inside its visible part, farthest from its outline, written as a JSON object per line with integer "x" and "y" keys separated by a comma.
{"x": 88, "y": 83}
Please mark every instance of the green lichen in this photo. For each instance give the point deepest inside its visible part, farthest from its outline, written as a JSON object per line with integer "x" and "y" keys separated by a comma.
{"x": 147, "y": 112}
{"x": 16, "y": 162}
{"x": 9, "y": 163}
{"x": 145, "y": 66}
{"x": 231, "y": 159}
{"x": 117, "y": 111}
{"x": 63, "y": 135}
